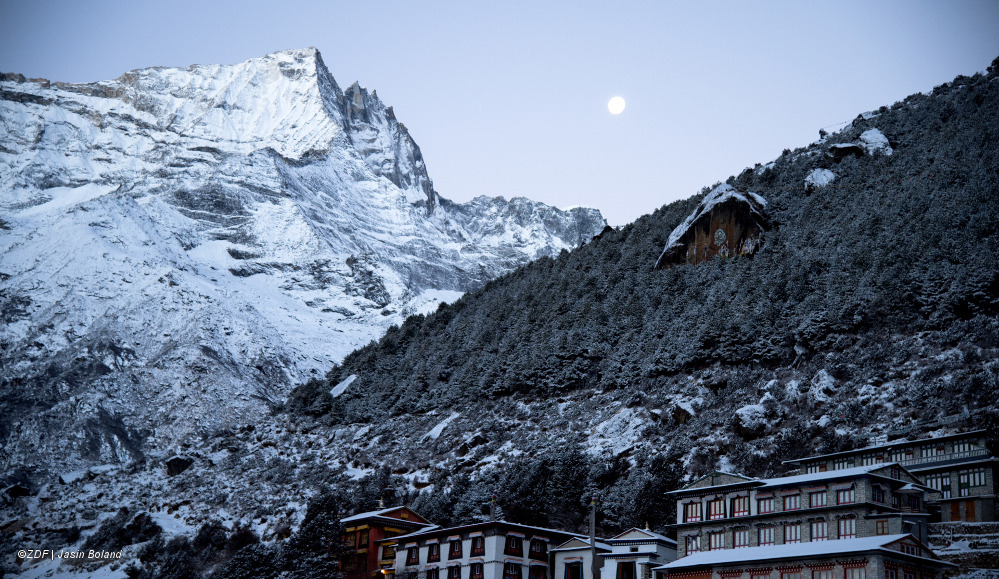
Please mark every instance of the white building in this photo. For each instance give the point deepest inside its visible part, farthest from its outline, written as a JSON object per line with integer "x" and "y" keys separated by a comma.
{"x": 573, "y": 559}
{"x": 634, "y": 553}
{"x": 488, "y": 550}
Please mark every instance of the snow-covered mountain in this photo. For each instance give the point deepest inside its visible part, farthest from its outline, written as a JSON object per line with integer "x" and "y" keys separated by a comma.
{"x": 178, "y": 247}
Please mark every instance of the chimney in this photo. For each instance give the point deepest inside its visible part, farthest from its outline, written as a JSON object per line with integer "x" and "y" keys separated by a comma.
{"x": 594, "y": 568}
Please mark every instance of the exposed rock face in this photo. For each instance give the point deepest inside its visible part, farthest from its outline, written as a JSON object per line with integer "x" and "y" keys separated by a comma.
{"x": 180, "y": 246}
{"x": 726, "y": 223}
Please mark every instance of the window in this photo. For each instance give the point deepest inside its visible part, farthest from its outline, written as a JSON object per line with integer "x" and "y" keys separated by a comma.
{"x": 362, "y": 539}
{"x": 869, "y": 459}
{"x": 511, "y": 571}
{"x": 633, "y": 549}
{"x": 855, "y": 573}
{"x": 716, "y": 541}
{"x": 455, "y": 551}
{"x": 691, "y": 512}
{"x": 847, "y": 529}
{"x": 908, "y": 574}
{"x": 841, "y": 463}
{"x": 962, "y": 446}
{"x": 740, "y": 538}
{"x": 765, "y": 506}
{"x": 845, "y": 496}
{"x": 790, "y": 575}
{"x": 913, "y": 504}
{"x": 478, "y": 546}
{"x": 766, "y": 536}
{"x": 413, "y": 556}
{"x": 740, "y": 506}
{"x": 716, "y": 509}
{"x": 976, "y": 477}
{"x": 514, "y": 545}
{"x": 939, "y": 482}
{"x": 817, "y": 499}
{"x": 539, "y": 548}
{"x": 896, "y": 502}
{"x": 881, "y": 527}
{"x": 535, "y": 572}
{"x": 792, "y": 502}
{"x": 388, "y": 552}
{"x": 475, "y": 571}
{"x": 760, "y": 576}
{"x": 819, "y": 531}
{"x": 433, "y": 553}
{"x": 454, "y": 572}
{"x": 693, "y": 544}
{"x": 878, "y": 494}
{"x": 433, "y": 574}
{"x": 910, "y": 549}
{"x": 891, "y": 572}
{"x": 574, "y": 570}
{"x": 812, "y": 468}
{"x": 822, "y": 574}
{"x": 895, "y": 473}
{"x": 792, "y": 533}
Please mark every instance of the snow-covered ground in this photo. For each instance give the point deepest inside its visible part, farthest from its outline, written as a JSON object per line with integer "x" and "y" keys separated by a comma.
{"x": 181, "y": 246}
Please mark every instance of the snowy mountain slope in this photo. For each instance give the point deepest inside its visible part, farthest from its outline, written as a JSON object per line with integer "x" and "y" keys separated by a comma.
{"x": 180, "y": 246}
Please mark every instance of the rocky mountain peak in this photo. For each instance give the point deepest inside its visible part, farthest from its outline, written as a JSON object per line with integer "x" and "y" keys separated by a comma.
{"x": 235, "y": 230}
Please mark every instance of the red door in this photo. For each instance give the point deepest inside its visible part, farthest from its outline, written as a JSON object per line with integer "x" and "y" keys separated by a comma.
{"x": 969, "y": 511}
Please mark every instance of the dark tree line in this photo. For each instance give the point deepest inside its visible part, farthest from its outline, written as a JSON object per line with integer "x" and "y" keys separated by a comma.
{"x": 898, "y": 244}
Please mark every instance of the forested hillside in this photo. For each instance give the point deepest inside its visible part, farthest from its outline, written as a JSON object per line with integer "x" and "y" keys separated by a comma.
{"x": 897, "y": 244}
{"x": 871, "y": 306}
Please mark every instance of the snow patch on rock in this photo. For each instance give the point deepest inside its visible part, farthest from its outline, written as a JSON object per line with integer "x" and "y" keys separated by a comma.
{"x": 342, "y": 386}
{"x": 874, "y": 141}
{"x": 819, "y": 178}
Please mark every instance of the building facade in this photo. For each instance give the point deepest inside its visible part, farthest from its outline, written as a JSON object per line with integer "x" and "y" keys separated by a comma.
{"x": 363, "y": 531}
{"x": 573, "y": 559}
{"x": 724, "y": 511}
{"x": 958, "y": 467}
{"x": 634, "y": 553}
{"x": 880, "y": 557}
{"x": 488, "y": 550}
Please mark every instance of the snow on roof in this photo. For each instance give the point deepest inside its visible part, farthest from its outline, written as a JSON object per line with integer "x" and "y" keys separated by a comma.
{"x": 818, "y": 476}
{"x": 797, "y": 479}
{"x": 798, "y": 550}
{"x": 586, "y": 545}
{"x": 452, "y": 530}
{"x": 717, "y": 196}
{"x": 651, "y": 535}
{"x": 379, "y": 513}
{"x": 888, "y": 446}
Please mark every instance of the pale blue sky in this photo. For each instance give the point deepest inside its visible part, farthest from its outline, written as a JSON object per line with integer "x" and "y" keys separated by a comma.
{"x": 509, "y": 98}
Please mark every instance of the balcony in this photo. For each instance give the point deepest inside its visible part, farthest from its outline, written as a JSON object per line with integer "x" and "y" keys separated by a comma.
{"x": 944, "y": 457}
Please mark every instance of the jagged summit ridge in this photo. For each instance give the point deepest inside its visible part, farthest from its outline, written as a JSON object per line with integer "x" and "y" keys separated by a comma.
{"x": 181, "y": 245}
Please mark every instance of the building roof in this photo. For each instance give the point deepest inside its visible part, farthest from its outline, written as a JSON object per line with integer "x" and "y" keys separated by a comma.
{"x": 436, "y": 530}
{"x": 829, "y": 474}
{"x": 381, "y": 515}
{"x": 584, "y": 544}
{"x": 801, "y": 551}
{"x": 650, "y": 536}
{"x": 768, "y": 483}
{"x": 691, "y": 488}
{"x": 888, "y": 446}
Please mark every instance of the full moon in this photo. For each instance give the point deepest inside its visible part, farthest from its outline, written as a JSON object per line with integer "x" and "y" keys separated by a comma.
{"x": 616, "y": 105}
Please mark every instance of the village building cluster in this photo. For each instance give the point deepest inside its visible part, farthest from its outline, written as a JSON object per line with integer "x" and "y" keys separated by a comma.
{"x": 860, "y": 514}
